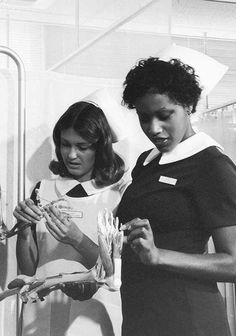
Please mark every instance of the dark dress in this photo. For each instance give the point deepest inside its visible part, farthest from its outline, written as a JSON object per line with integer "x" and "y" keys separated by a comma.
{"x": 197, "y": 195}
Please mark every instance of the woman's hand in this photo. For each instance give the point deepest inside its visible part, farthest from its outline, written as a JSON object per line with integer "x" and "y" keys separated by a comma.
{"x": 27, "y": 212}
{"x": 62, "y": 227}
{"x": 26, "y": 246}
{"x": 140, "y": 239}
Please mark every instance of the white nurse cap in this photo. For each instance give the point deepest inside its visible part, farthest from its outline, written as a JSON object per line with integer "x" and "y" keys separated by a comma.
{"x": 112, "y": 110}
{"x": 207, "y": 68}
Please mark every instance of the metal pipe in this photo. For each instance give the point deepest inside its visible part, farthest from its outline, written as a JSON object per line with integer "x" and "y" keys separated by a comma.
{"x": 21, "y": 120}
{"x": 219, "y": 107}
{"x": 21, "y": 138}
{"x": 99, "y": 37}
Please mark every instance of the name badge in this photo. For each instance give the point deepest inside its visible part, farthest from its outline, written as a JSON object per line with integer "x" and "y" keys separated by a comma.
{"x": 168, "y": 180}
{"x": 76, "y": 214}
{"x": 73, "y": 213}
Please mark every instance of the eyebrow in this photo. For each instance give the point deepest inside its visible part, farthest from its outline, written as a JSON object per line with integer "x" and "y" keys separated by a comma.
{"x": 78, "y": 143}
{"x": 162, "y": 109}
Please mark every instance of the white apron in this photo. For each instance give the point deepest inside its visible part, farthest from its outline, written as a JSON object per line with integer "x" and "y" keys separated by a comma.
{"x": 59, "y": 315}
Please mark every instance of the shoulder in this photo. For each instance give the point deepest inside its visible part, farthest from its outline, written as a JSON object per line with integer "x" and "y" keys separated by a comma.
{"x": 48, "y": 182}
{"x": 142, "y": 157}
{"x": 214, "y": 189}
{"x": 212, "y": 152}
{"x": 216, "y": 173}
{"x": 139, "y": 163}
{"x": 215, "y": 161}
{"x": 45, "y": 184}
{"x": 122, "y": 184}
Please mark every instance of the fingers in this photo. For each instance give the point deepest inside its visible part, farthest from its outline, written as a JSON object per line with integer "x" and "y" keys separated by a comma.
{"x": 55, "y": 213}
{"x": 135, "y": 223}
{"x": 27, "y": 211}
{"x": 55, "y": 217}
{"x": 57, "y": 223}
{"x": 139, "y": 233}
{"x": 141, "y": 240}
{"x": 136, "y": 228}
{"x": 56, "y": 233}
{"x": 54, "y": 226}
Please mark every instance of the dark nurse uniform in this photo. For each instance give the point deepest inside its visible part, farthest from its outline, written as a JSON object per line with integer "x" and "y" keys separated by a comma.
{"x": 185, "y": 194}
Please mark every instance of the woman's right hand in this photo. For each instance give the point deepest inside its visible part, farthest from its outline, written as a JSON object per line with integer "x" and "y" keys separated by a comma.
{"x": 141, "y": 240}
{"x": 27, "y": 212}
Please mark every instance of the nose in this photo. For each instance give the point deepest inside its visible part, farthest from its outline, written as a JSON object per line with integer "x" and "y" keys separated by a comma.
{"x": 72, "y": 154}
{"x": 155, "y": 126}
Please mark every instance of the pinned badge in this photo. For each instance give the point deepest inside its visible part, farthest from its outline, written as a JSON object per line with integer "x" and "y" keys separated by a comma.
{"x": 168, "y": 180}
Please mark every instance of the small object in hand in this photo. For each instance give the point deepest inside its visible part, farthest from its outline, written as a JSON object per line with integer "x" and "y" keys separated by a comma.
{"x": 80, "y": 291}
{"x": 125, "y": 227}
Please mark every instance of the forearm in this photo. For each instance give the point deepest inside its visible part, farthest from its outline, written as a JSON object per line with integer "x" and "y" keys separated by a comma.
{"x": 220, "y": 267}
{"x": 26, "y": 253}
{"x": 88, "y": 249}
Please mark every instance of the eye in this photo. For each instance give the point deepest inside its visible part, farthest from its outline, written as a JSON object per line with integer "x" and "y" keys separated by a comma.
{"x": 164, "y": 117}
{"x": 65, "y": 144}
{"x": 84, "y": 147}
{"x": 144, "y": 118}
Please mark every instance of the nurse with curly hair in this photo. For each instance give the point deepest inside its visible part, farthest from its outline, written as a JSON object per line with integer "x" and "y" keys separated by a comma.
{"x": 183, "y": 193}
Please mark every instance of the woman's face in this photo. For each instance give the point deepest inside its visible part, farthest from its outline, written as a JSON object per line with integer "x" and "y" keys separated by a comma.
{"x": 164, "y": 122}
{"x": 78, "y": 155}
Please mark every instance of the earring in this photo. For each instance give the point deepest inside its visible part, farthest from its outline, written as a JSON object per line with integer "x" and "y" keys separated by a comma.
{"x": 189, "y": 111}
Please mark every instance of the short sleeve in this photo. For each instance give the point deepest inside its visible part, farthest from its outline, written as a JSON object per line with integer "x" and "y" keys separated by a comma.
{"x": 215, "y": 192}
{"x": 34, "y": 198}
{"x": 139, "y": 164}
{"x": 33, "y": 194}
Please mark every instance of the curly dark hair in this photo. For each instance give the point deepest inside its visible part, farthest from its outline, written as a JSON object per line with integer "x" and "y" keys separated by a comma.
{"x": 173, "y": 78}
{"x": 91, "y": 124}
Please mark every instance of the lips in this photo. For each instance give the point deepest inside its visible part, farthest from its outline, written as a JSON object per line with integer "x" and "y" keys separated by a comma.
{"x": 160, "y": 141}
{"x": 73, "y": 164}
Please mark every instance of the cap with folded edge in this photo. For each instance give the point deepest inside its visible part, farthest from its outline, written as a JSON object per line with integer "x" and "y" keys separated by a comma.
{"x": 112, "y": 110}
{"x": 207, "y": 68}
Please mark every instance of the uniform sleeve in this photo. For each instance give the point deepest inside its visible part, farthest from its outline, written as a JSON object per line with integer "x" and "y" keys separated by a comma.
{"x": 139, "y": 164}
{"x": 215, "y": 193}
{"x": 34, "y": 198}
{"x": 33, "y": 194}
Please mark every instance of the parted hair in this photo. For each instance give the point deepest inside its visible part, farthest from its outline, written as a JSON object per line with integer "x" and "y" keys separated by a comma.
{"x": 173, "y": 78}
{"x": 91, "y": 124}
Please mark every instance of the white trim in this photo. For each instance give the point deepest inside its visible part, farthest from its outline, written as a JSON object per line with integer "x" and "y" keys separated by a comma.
{"x": 64, "y": 185}
{"x": 184, "y": 149}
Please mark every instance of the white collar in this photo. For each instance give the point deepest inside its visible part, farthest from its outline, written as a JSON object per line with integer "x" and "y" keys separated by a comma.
{"x": 184, "y": 149}
{"x": 65, "y": 184}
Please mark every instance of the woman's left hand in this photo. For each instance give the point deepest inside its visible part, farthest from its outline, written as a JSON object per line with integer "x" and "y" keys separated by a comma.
{"x": 140, "y": 238}
{"x": 62, "y": 227}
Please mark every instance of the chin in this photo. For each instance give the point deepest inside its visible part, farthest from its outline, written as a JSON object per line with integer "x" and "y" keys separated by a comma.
{"x": 74, "y": 173}
{"x": 164, "y": 149}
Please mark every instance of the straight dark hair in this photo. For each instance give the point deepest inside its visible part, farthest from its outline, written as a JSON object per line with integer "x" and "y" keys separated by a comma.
{"x": 91, "y": 124}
